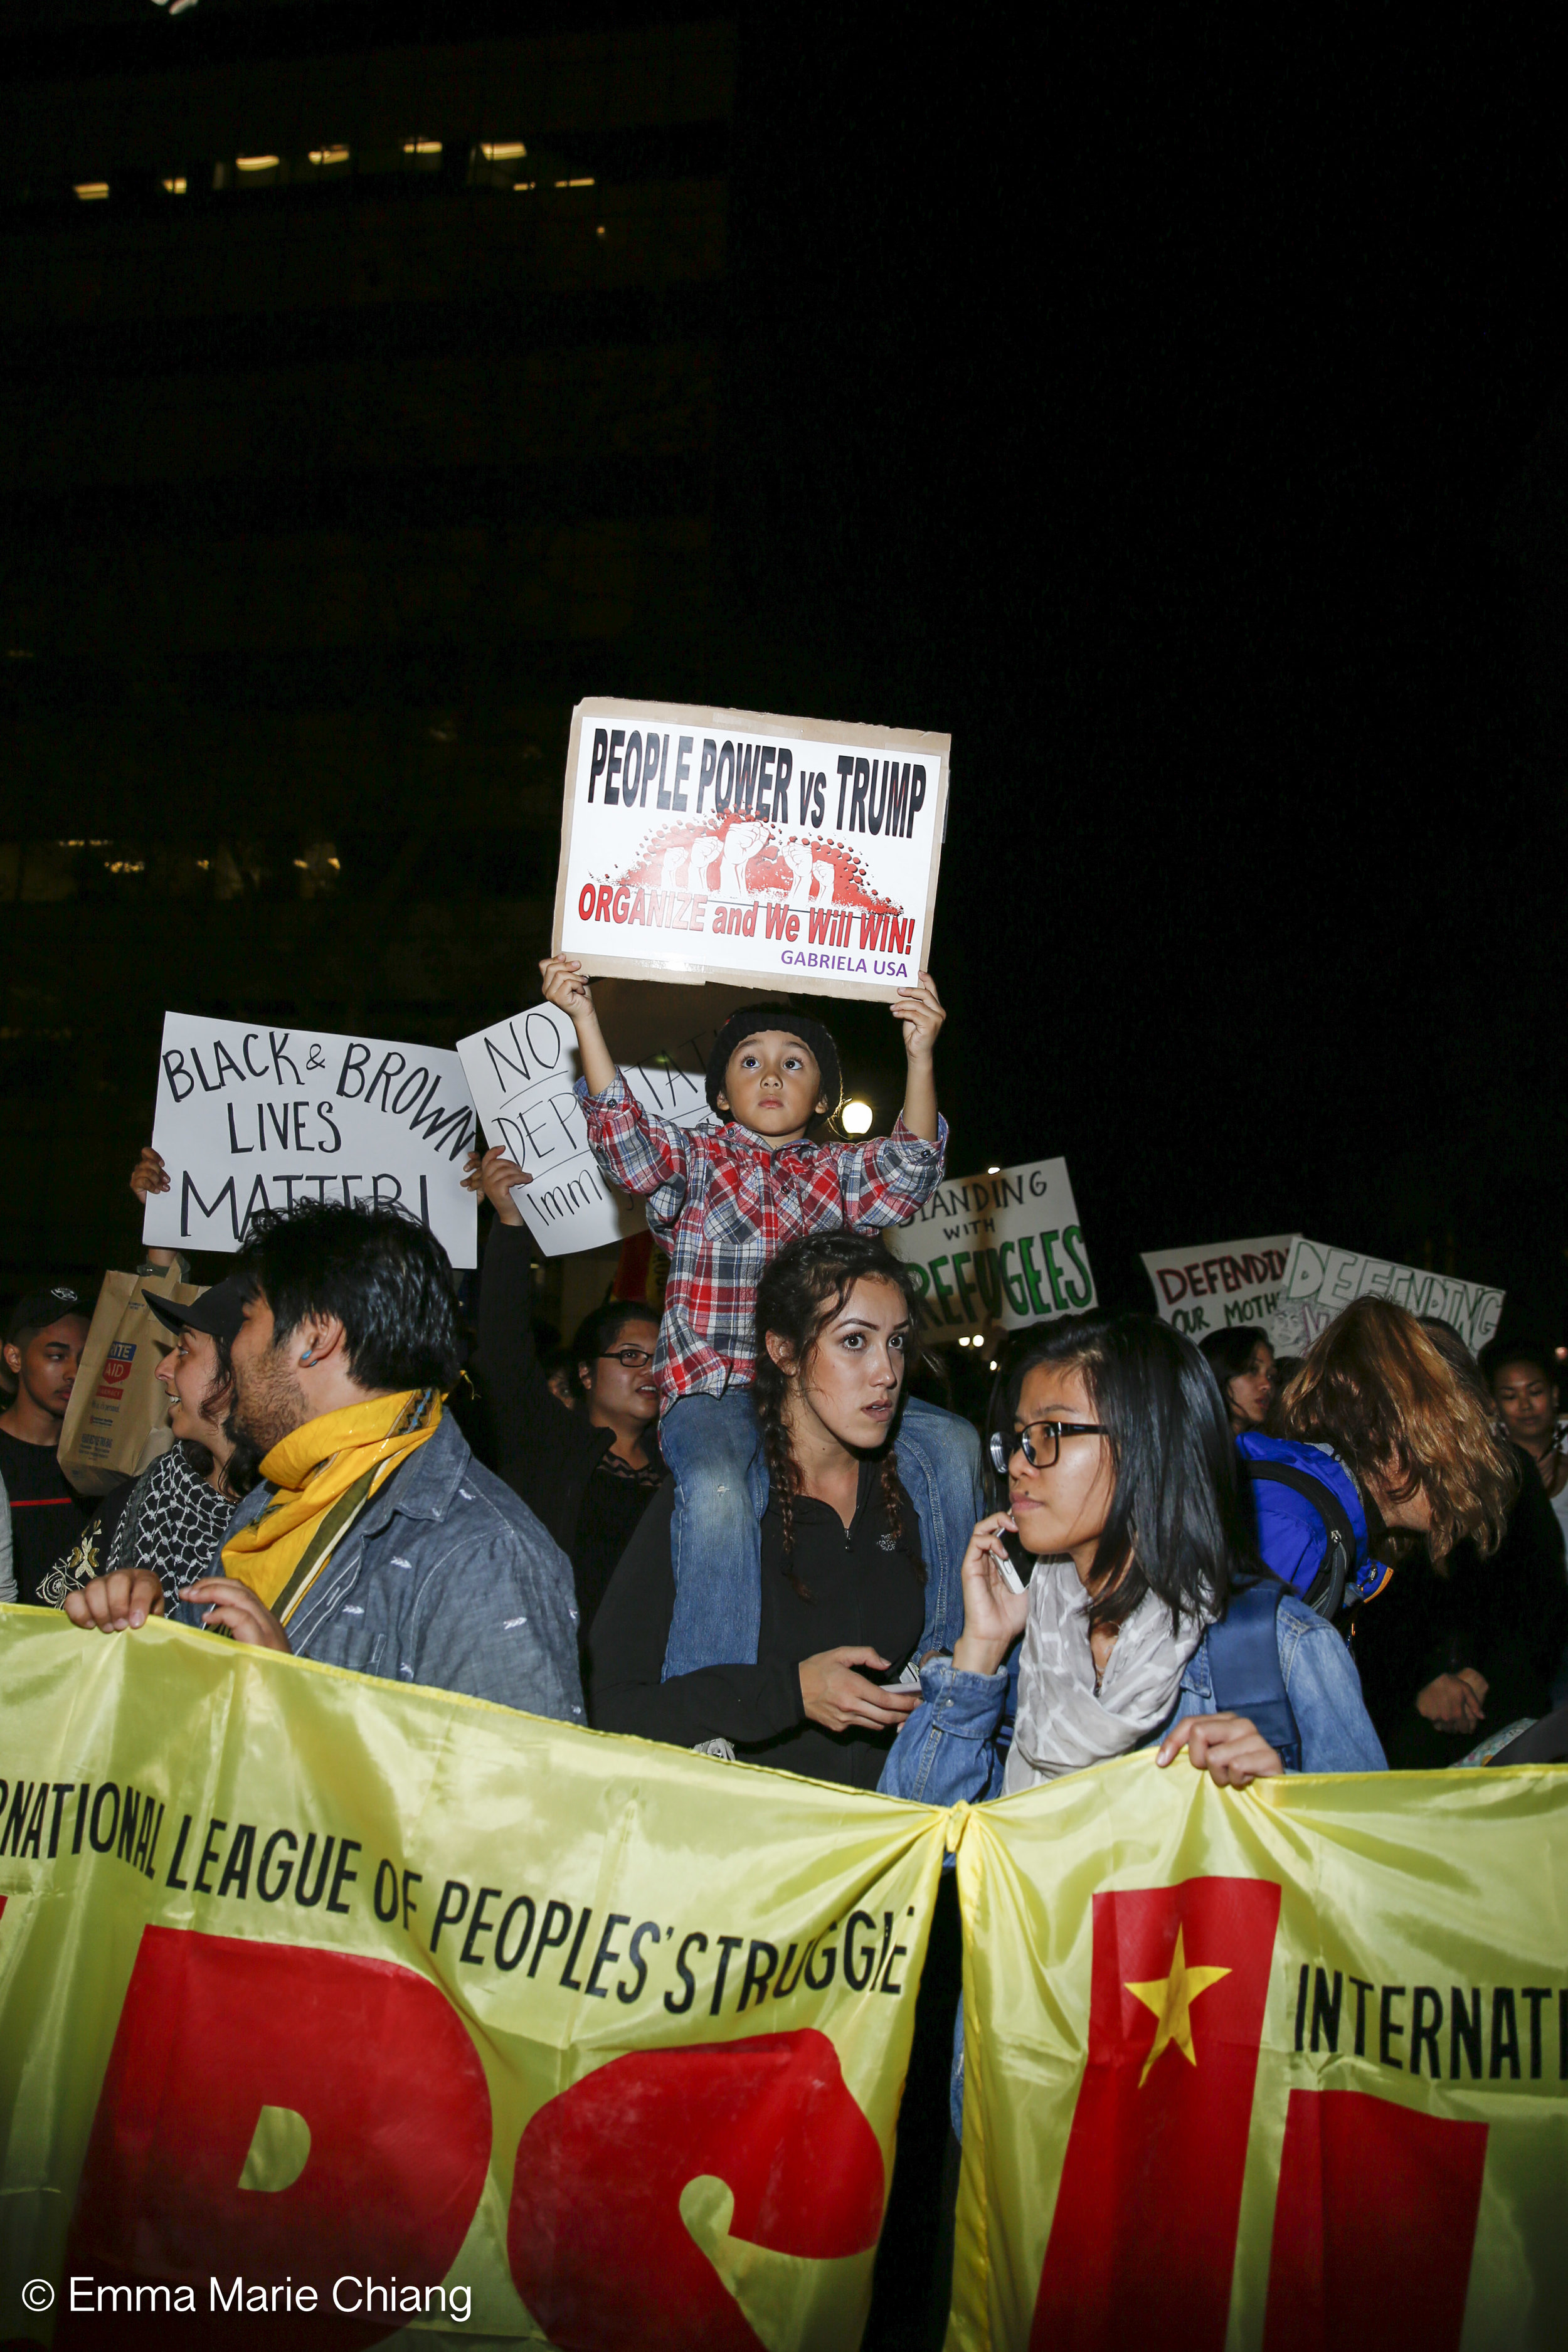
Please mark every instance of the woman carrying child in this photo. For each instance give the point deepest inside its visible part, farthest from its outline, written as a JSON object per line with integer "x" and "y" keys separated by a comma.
{"x": 842, "y": 1594}
{"x": 724, "y": 1205}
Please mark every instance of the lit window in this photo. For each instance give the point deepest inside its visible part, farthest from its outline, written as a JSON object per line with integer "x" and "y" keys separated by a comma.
{"x": 503, "y": 151}
{"x": 523, "y": 188}
{"x": 600, "y": 230}
{"x": 256, "y": 163}
{"x": 574, "y": 183}
{"x": 319, "y": 155}
{"x": 425, "y": 147}
{"x": 172, "y": 187}
{"x": 91, "y": 192}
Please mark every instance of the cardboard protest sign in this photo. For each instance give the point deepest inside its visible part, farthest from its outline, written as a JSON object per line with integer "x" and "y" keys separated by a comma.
{"x": 1318, "y": 1281}
{"x": 523, "y": 1073}
{"x": 1202, "y": 1290}
{"x": 722, "y": 845}
{"x": 255, "y": 1118}
{"x": 1004, "y": 1248}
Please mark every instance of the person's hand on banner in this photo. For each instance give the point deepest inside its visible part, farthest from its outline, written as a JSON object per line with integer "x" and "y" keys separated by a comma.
{"x": 1232, "y": 1750}
{"x": 116, "y": 1603}
{"x": 994, "y": 1611}
{"x": 838, "y": 1689}
{"x": 238, "y": 1610}
{"x": 494, "y": 1176}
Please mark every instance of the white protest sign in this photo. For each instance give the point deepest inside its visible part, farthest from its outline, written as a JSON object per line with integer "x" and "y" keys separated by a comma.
{"x": 1202, "y": 1290}
{"x": 1003, "y": 1248}
{"x": 731, "y": 845}
{"x": 1318, "y": 1282}
{"x": 523, "y": 1073}
{"x": 253, "y": 1118}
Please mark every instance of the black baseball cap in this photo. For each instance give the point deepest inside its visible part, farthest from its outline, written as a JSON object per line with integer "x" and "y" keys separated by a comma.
{"x": 39, "y": 1309}
{"x": 219, "y": 1311}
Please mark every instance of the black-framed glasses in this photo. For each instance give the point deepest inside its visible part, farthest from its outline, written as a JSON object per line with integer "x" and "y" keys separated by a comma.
{"x": 1041, "y": 1453}
{"x": 634, "y": 1359}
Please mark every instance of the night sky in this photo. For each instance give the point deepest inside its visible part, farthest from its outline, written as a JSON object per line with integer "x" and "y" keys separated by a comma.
{"x": 1166, "y": 418}
{"x": 1176, "y": 419}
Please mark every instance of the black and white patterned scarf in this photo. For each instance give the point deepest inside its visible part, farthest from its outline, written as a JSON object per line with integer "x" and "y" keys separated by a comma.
{"x": 171, "y": 1524}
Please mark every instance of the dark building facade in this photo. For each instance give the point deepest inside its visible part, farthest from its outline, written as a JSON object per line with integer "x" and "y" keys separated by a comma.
{"x": 359, "y": 416}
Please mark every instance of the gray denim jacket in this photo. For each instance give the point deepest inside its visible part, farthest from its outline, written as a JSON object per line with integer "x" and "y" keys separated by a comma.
{"x": 445, "y": 1579}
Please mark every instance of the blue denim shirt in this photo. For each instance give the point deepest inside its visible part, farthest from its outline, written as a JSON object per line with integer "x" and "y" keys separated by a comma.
{"x": 445, "y": 1579}
{"x": 953, "y": 1747}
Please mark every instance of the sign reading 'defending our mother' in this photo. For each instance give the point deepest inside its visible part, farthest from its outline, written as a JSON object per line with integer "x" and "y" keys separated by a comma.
{"x": 730, "y": 845}
{"x": 251, "y": 1118}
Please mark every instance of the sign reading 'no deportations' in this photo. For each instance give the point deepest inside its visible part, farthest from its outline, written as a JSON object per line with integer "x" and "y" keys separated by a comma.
{"x": 524, "y": 1074}
{"x": 1003, "y": 1248}
{"x": 730, "y": 845}
{"x": 256, "y": 1118}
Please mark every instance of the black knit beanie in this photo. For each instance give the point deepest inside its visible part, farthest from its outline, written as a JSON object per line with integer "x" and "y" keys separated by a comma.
{"x": 751, "y": 1020}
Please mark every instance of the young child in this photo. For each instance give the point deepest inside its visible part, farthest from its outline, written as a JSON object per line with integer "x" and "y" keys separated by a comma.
{"x": 722, "y": 1205}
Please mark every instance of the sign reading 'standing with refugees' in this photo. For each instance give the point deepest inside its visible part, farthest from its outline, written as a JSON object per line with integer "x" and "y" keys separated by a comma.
{"x": 1005, "y": 1248}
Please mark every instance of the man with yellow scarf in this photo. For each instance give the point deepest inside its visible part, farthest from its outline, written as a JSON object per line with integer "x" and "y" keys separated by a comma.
{"x": 375, "y": 1541}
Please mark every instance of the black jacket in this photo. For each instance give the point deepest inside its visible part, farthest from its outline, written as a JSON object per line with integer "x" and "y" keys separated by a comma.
{"x": 546, "y": 1452}
{"x": 864, "y": 1586}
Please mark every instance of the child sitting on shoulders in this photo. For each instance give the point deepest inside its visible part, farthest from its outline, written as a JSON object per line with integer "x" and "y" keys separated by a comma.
{"x": 722, "y": 1205}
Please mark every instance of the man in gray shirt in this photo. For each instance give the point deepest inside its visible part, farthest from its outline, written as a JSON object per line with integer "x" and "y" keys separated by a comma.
{"x": 375, "y": 1541}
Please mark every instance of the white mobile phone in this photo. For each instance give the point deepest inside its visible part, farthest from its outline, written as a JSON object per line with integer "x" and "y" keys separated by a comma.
{"x": 1006, "y": 1570}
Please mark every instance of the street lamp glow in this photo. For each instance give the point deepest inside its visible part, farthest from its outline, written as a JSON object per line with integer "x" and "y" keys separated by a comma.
{"x": 857, "y": 1117}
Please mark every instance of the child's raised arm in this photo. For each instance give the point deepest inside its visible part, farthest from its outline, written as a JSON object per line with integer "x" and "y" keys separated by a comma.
{"x": 920, "y": 1009}
{"x": 564, "y": 986}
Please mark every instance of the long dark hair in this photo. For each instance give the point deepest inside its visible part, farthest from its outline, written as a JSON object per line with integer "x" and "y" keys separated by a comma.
{"x": 799, "y": 1294}
{"x": 1229, "y": 1352}
{"x": 241, "y": 1470}
{"x": 1178, "y": 1526}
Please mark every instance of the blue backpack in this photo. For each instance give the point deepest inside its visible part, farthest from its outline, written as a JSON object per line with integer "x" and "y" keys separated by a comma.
{"x": 1312, "y": 1539}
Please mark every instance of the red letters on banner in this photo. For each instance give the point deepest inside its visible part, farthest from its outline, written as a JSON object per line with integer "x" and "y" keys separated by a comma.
{"x": 375, "y": 2060}
{"x": 599, "y": 2251}
{"x": 1374, "y": 2226}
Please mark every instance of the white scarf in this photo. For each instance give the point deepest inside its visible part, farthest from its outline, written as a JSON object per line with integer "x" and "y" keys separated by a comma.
{"x": 1062, "y": 1725}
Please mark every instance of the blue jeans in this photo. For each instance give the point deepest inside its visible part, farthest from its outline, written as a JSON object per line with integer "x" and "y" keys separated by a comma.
{"x": 714, "y": 1450}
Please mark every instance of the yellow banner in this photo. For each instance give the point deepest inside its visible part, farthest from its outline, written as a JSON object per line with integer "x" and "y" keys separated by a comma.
{"x": 363, "y": 2010}
{"x": 1286, "y": 2070}
{"x": 340, "y": 2013}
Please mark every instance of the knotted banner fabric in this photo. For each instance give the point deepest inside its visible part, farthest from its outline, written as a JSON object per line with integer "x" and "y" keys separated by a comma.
{"x": 341, "y": 2013}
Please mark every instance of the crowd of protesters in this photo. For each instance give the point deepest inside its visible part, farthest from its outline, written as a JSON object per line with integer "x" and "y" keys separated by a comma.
{"x": 730, "y": 1527}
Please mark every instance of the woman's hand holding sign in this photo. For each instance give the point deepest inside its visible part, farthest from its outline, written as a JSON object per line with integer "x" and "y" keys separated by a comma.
{"x": 494, "y": 1176}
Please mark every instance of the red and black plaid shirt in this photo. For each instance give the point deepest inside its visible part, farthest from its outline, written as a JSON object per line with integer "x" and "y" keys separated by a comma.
{"x": 725, "y": 1205}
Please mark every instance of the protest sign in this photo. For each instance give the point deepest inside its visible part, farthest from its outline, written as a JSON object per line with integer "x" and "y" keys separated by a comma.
{"x": 522, "y": 1074}
{"x": 1318, "y": 1281}
{"x": 1202, "y": 1290}
{"x": 255, "y": 1118}
{"x": 719, "y": 845}
{"x": 1003, "y": 1248}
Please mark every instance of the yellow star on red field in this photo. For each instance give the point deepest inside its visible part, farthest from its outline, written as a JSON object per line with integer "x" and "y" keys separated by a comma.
{"x": 1171, "y": 1999}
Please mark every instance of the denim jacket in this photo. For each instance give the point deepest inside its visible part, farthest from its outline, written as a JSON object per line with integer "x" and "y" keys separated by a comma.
{"x": 954, "y": 1745}
{"x": 445, "y": 1579}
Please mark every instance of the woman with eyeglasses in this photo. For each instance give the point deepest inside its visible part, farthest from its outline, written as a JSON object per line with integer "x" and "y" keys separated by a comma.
{"x": 1122, "y": 1484}
{"x": 589, "y": 1470}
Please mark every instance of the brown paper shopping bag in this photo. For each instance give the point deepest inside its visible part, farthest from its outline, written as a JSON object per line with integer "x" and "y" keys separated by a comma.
{"x": 116, "y": 1403}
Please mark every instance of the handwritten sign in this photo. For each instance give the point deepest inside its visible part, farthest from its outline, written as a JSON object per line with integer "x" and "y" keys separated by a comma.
{"x": 524, "y": 1074}
{"x": 1318, "y": 1281}
{"x": 1202, "y": 1290}
{"x": 252, "y": 1117}
{"x": 1003, "y": 1248}
{"x": 731, "y": 845}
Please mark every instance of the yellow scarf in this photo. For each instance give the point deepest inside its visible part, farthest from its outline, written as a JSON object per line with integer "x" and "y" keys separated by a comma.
{"x": 325, "y": 1473}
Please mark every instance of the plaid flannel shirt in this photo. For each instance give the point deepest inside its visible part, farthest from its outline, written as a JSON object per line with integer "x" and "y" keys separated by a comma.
{"x": 724, "y": 1205}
